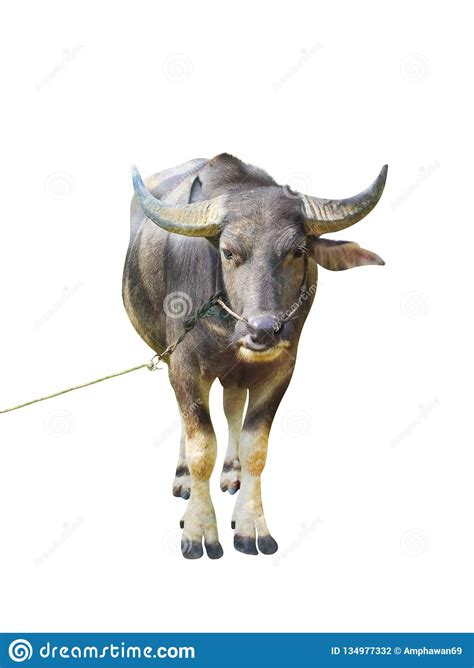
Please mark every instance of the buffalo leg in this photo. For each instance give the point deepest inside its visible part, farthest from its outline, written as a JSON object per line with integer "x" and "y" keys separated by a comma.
{"x": 182, "y": 480}
{"x": 199, "y": 520}
{"x": 249, "y": 519}
{"x": 234, "y": 403}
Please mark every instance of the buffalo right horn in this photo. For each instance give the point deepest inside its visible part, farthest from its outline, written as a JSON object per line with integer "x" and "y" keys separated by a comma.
{"x": 202, "y": 219}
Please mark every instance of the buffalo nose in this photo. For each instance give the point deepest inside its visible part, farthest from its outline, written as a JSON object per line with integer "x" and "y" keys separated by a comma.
{"x": 264, "y": 328}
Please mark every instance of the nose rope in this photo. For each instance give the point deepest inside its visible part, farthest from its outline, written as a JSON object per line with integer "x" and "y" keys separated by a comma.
{"x": 233, "y": 314}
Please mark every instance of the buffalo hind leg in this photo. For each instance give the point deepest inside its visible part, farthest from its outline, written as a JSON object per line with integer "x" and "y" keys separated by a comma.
{"x": 249, "y": 519}
{"x": 199, "y": 520}
{"x": 234, "y": 403}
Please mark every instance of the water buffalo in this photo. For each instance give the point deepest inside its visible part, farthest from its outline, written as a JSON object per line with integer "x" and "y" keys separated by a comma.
{"x": 223, "y": 225}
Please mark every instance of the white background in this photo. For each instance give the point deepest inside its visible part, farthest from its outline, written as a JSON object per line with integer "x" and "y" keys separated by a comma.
{"x": 368, "y": 486}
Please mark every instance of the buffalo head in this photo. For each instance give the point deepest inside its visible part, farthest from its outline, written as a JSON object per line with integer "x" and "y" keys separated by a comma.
{"x": 266, "y": 236}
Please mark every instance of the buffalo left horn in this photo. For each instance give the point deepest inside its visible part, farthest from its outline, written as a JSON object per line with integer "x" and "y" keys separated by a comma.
{"x": 202, "y": 219}
{"x": 332, "y": 215}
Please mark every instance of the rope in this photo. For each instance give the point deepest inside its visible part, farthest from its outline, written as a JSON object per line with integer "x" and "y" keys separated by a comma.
{"x": 78, "y": 387}
{"x": 232, "y": 313}
{"x": 152, "y": 365}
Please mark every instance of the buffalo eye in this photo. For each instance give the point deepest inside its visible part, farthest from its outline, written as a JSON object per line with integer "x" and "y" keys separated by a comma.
{"x": 227, "y": 254}
{"x": 298, "y": 252}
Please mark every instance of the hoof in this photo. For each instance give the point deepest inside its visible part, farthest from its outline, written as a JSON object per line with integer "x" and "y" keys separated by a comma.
{"x": 191, "y": 549}
{"x": 245, "y": 544}
{"x": 182, "y": 492}
{"x": 267, "y": 545}
{"x": 232, "y": 487}
{"x": 214, "y": 550}
{"x": 181, "y": 485}
{"x": 230, "y": 477}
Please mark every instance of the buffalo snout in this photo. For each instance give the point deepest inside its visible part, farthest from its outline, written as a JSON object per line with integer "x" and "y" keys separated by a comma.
{"x": 265, "y": 331}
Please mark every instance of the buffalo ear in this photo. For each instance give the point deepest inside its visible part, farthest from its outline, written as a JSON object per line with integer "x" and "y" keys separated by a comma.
{"x": 340, "y": 255}
{"x": 196, "y": 191}
{"x": 196, "y": 195}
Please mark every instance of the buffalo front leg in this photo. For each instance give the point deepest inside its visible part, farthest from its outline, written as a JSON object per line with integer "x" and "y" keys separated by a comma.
{"x": 199, "y": 520}
{"x": 182, "y": 479}
{"x": 249, "y": 519}
{"x": 234, "y": 403}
